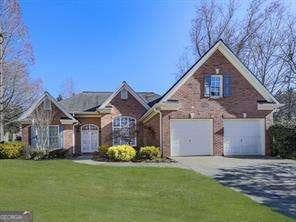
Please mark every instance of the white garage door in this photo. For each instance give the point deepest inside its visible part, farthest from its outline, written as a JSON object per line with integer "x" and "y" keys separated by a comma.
{"x": 244, "y": 137}
{"x": 191, "y": 137}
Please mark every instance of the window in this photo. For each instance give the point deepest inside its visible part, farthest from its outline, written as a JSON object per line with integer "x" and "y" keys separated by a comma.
{"x": 47, "y": 104}
{"x": 213, "y": 86}
{"x": 124, "y": 94}
{"x": 49, "y": 137}
{"x": 124, "y": 131}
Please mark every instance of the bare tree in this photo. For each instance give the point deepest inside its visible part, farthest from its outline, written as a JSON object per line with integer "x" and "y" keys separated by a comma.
{"x": 41, "y": 118}
{"x": 254, "y": 34}
{"x": 67, "y": 88}
{"x": 17, "y": 89}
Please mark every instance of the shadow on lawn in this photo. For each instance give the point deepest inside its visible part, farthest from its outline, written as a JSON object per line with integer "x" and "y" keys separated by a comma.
{"x": 272, "y": 184}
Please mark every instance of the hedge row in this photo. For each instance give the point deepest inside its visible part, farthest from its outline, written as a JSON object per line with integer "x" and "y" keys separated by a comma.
{"x": 283, "y": 141}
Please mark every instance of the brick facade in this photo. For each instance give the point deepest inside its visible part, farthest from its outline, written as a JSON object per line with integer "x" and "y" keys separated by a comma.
{"x": 193, "y": 104}
{"x": 130, "y": 107}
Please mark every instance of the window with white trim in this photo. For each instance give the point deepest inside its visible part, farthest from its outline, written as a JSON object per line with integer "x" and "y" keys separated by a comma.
{"x": 124, "y": 131}
{"x": 213, "y": 86}
{"x": 48, "y": 138}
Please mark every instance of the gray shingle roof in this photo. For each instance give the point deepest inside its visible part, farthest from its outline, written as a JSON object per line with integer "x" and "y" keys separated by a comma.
{"x": 89, "y": 101}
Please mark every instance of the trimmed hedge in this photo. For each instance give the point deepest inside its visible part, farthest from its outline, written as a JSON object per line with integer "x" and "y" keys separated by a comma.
{"x": 283, "y": 141}
{"x": 149, "y": 152}
{"x": 11, "y": 150}
{"x": 121, "y": 153}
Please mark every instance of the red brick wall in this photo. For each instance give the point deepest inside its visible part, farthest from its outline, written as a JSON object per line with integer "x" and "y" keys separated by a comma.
{"x": 68, "y": 136}
{"x": 190, "y": 95}
{"x": 25, "y": 128}
{"x": 151, "y": 131}
{"x": 130, "y": 107}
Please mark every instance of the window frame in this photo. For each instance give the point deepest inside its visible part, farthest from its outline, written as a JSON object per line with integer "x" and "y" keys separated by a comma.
{"x": 119, "y": 118}
{"x": 35, "y": 137}
{"x": 210, "y": 87}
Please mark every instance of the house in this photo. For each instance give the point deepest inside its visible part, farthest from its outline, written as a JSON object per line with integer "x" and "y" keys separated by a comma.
{"x": 216, "y": 108}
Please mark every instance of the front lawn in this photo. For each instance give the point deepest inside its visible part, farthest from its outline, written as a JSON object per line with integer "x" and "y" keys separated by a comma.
{"x": 60, "y": 190}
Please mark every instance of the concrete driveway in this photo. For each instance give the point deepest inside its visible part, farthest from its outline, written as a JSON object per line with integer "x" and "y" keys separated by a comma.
{"x": 265, "y": 180}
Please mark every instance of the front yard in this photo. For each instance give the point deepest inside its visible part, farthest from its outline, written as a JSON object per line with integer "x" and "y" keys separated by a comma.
{"x": 60, "y": 190}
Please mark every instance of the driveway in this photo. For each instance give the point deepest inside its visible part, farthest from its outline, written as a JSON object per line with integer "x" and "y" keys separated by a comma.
{"x": 265, "y": 180}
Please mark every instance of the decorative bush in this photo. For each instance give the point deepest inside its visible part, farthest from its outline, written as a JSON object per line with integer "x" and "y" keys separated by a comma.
{"x": 11, "y": 150}
{"x": 149, "y": 152}
{"x": 121, "y": 153}
{"x": 103, "y": 149}
{"x": 283, "y": 140}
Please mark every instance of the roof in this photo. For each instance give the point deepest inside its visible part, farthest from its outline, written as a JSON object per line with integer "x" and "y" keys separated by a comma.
{"x": 91, "y": 100}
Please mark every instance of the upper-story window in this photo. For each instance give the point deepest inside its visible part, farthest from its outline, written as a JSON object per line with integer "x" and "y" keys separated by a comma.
{"x": 124, "y": 131}
{"x": 124, "y": 94}
{"x": 217, "y": 86}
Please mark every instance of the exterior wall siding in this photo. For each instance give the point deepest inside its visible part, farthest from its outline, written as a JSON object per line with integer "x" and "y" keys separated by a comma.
{"x": 194, "y": 105}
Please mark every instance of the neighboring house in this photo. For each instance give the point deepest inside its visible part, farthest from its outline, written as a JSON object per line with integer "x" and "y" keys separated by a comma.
{"x": 216, "y": 108}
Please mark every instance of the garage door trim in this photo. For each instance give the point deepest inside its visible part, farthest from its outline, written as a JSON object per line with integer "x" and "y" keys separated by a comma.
{"x": 211, "y": 133}
{"x": 262, "y": 124}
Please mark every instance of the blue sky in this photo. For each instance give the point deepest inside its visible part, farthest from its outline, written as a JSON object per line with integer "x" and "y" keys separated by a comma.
{"x": 101, "y": 43}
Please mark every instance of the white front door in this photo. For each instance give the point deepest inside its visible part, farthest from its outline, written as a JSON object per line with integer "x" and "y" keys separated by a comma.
{"x": 89, "y": 138}
{"x": 191, "y": 137}
{"x": 244, "y": 137}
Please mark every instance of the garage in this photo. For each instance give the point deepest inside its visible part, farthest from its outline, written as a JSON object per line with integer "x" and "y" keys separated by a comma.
{"x": 191, "y": 137}
{"x": 244, "y": 137}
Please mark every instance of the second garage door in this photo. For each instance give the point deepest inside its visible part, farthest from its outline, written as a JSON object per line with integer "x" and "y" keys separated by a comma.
{"x": 244, "y": 137}
{"x": 191, "y": 137}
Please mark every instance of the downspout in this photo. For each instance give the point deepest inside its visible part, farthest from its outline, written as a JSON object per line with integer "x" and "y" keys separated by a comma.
{"x": 160, "y": 129}
{"x": 73, "y": 137}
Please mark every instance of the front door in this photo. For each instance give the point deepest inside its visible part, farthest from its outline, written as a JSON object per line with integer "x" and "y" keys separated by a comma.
{"x": 89, "y": 138}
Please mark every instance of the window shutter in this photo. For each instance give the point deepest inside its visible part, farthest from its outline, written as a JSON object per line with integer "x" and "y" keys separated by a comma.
{"x": 227, "y": 85}
{"x": 61, "y": 137}
{"x": 207, "y": 85}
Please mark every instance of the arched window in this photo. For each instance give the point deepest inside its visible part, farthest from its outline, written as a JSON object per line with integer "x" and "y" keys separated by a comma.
{"x": 124, "y": 131}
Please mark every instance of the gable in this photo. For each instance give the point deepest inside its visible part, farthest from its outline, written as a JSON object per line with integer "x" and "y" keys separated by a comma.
{"x": 61, "y": 113}
{"x": 226, "y": 52}
{"x": 125, "y": 86}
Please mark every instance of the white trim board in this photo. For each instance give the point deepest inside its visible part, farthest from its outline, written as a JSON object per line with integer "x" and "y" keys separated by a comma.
{"x": 124, "y": 85}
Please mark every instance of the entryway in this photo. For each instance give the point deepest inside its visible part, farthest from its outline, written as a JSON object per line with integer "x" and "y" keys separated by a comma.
{"x": 89, "y": 138}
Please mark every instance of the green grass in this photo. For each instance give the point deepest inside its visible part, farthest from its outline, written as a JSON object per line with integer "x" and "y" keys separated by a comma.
{"x": 65, "y": 191}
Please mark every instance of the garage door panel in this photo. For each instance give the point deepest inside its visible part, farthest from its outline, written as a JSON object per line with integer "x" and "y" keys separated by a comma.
{"x": 191, "y": 137}
{"x": 244, "y": 137}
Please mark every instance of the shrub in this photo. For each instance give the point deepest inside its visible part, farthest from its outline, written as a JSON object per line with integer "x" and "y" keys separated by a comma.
{"x": 59, "y": 154}
{"x": 121, "y": 153}
{"x": 149, "y": 152}
{"x": 103, "y": 150}
{"x": 38, "y": 155}
{"x": 11, "y": 150}
{"x": 283, "y": 141}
